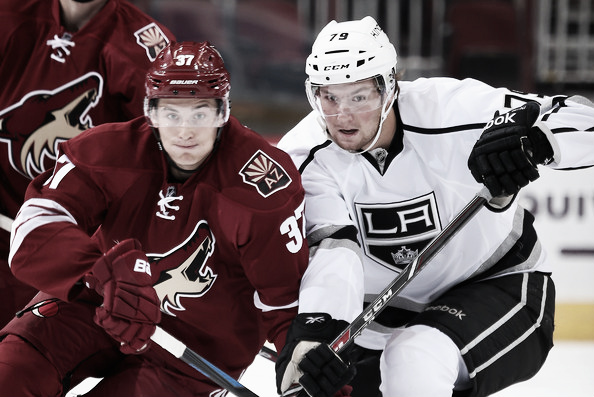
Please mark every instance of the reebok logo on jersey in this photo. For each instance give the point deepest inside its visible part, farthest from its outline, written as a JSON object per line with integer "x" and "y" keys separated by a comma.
{"x": 450, "y": 310}
{"x": 314, "y": 320}
{"x": 265, "y": 174}
{"x": 394, "y": 233}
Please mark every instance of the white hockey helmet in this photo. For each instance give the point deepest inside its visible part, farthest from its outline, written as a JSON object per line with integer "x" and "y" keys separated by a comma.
{"x": 348, "y": 52}
{"x": 351, "y": 51}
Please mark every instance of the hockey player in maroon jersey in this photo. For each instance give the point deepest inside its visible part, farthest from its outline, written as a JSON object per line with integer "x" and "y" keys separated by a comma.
{"x": 385, "y": 165}
{"x": 185, "y": 219}
{"x": 65, "y": 66}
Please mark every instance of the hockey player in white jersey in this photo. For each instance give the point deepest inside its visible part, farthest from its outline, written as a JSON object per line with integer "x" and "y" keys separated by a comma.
{"x": 386, "y": 164}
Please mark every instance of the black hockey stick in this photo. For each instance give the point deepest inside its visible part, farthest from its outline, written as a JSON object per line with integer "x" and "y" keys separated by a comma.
{"x": 268, "y": 353}
{"x": 193, "y": 359}
{"x": 347, "y": 337}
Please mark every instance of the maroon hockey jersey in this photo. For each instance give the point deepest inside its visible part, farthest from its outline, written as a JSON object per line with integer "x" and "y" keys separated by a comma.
{"x": 226, "y": 247}
{"x": 56, "y": 84}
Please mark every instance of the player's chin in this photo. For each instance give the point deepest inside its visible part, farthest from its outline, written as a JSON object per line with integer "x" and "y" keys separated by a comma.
{"x": 348, "y": 142}
{"x": 187, "y": 161}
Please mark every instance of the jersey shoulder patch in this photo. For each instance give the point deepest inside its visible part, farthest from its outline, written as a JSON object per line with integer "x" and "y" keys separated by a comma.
{"x": 152, "y": 39}
{"x": 265, "y": 174}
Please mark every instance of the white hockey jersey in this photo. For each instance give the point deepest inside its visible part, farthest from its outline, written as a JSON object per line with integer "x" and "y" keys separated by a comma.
{"x": 399, "y": 199}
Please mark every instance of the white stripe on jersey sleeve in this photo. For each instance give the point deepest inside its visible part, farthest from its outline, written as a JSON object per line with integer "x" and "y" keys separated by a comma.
{"x": 33, "y": 214}
{"x": 266, "y": 308}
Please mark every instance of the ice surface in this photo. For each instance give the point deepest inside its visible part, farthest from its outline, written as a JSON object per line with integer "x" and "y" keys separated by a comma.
{"x": 569, "y": 371}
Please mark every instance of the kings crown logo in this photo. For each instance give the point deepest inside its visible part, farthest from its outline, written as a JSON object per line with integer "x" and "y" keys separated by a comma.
{"x": 404, "y": 256}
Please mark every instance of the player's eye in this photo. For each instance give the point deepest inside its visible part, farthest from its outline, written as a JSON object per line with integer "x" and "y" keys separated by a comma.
{"x": 330, "y": 99}
{"x": 359, "y": 98}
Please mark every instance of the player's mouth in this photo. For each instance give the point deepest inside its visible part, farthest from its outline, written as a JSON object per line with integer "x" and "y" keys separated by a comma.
{"x": 186, "y": 145}
{"x": 348, "y": 132}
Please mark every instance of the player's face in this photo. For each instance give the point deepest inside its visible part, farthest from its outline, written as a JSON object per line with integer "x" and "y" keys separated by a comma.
{"x": 188, "y": 129}
{"x": 352, "y": 112}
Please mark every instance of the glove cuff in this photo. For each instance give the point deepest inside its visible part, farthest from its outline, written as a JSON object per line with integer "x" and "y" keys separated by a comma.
{"x": 548, "y": 151}
{"x": 319, "y": 327}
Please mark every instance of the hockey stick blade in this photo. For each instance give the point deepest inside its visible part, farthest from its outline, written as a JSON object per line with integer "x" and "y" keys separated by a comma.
{"x": 354, "y": 329}
{"x": 193, "y": 359}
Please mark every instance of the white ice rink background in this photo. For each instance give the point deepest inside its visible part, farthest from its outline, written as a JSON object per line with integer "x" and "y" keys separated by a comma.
{"x": 569, "y": 372}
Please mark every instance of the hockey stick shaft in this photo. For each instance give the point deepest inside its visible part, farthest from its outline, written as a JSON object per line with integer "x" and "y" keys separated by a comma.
{"x": 193, "y": 359}
{"x": 268, "y": 353}
{"x": 357, "y": 326}
{"x": 6, "y": 223}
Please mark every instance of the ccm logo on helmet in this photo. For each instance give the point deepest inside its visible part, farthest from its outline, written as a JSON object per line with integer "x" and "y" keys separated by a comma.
{"x": 184, "y": 82}
{"x": 336, "y": 67}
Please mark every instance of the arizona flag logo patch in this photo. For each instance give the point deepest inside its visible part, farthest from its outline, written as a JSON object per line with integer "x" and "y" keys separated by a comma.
{"x": 265, "y": 174}
{"x": 152, "y": 39}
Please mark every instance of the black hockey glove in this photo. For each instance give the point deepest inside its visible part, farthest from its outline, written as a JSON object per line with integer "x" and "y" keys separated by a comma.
{"x": 506, "y": 156}
{"x": 307, "y": 358}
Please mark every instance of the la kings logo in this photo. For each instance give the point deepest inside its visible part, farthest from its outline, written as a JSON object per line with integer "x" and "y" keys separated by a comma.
{"x": 393, "y": 234}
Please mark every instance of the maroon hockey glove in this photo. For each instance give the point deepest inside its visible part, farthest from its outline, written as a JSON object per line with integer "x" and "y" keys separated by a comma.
{"x": 506, "y": 156}
{"x": 307, "y": 359}
{"x": 130, "y": 309}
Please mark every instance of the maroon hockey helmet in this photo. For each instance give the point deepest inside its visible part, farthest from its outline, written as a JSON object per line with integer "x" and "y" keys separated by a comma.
{"x": 188, "y": 70}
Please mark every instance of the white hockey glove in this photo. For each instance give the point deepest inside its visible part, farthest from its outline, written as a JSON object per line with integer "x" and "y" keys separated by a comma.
{"x": 307, "y": 359}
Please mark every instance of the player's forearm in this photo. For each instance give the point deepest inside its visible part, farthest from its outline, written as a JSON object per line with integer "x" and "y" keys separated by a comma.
{"x": 572, "y": 125}
{"x": 333, "y": 284}
{"x": 50, "y": 252}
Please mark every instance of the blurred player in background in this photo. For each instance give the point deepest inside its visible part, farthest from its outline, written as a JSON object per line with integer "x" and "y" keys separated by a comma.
{"x": 185, "y": 219}
{"x": 386, "y": 164}
{"x": 65, "y": 66}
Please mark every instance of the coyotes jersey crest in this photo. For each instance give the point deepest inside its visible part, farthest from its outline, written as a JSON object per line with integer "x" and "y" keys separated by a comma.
{"x": 183, "y": 270}
{"x": 35, "y": 125}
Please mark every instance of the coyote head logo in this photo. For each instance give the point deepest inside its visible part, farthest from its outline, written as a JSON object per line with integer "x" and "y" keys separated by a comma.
{"x": 186, "y": 274}
{"x": 35, "y": 126}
